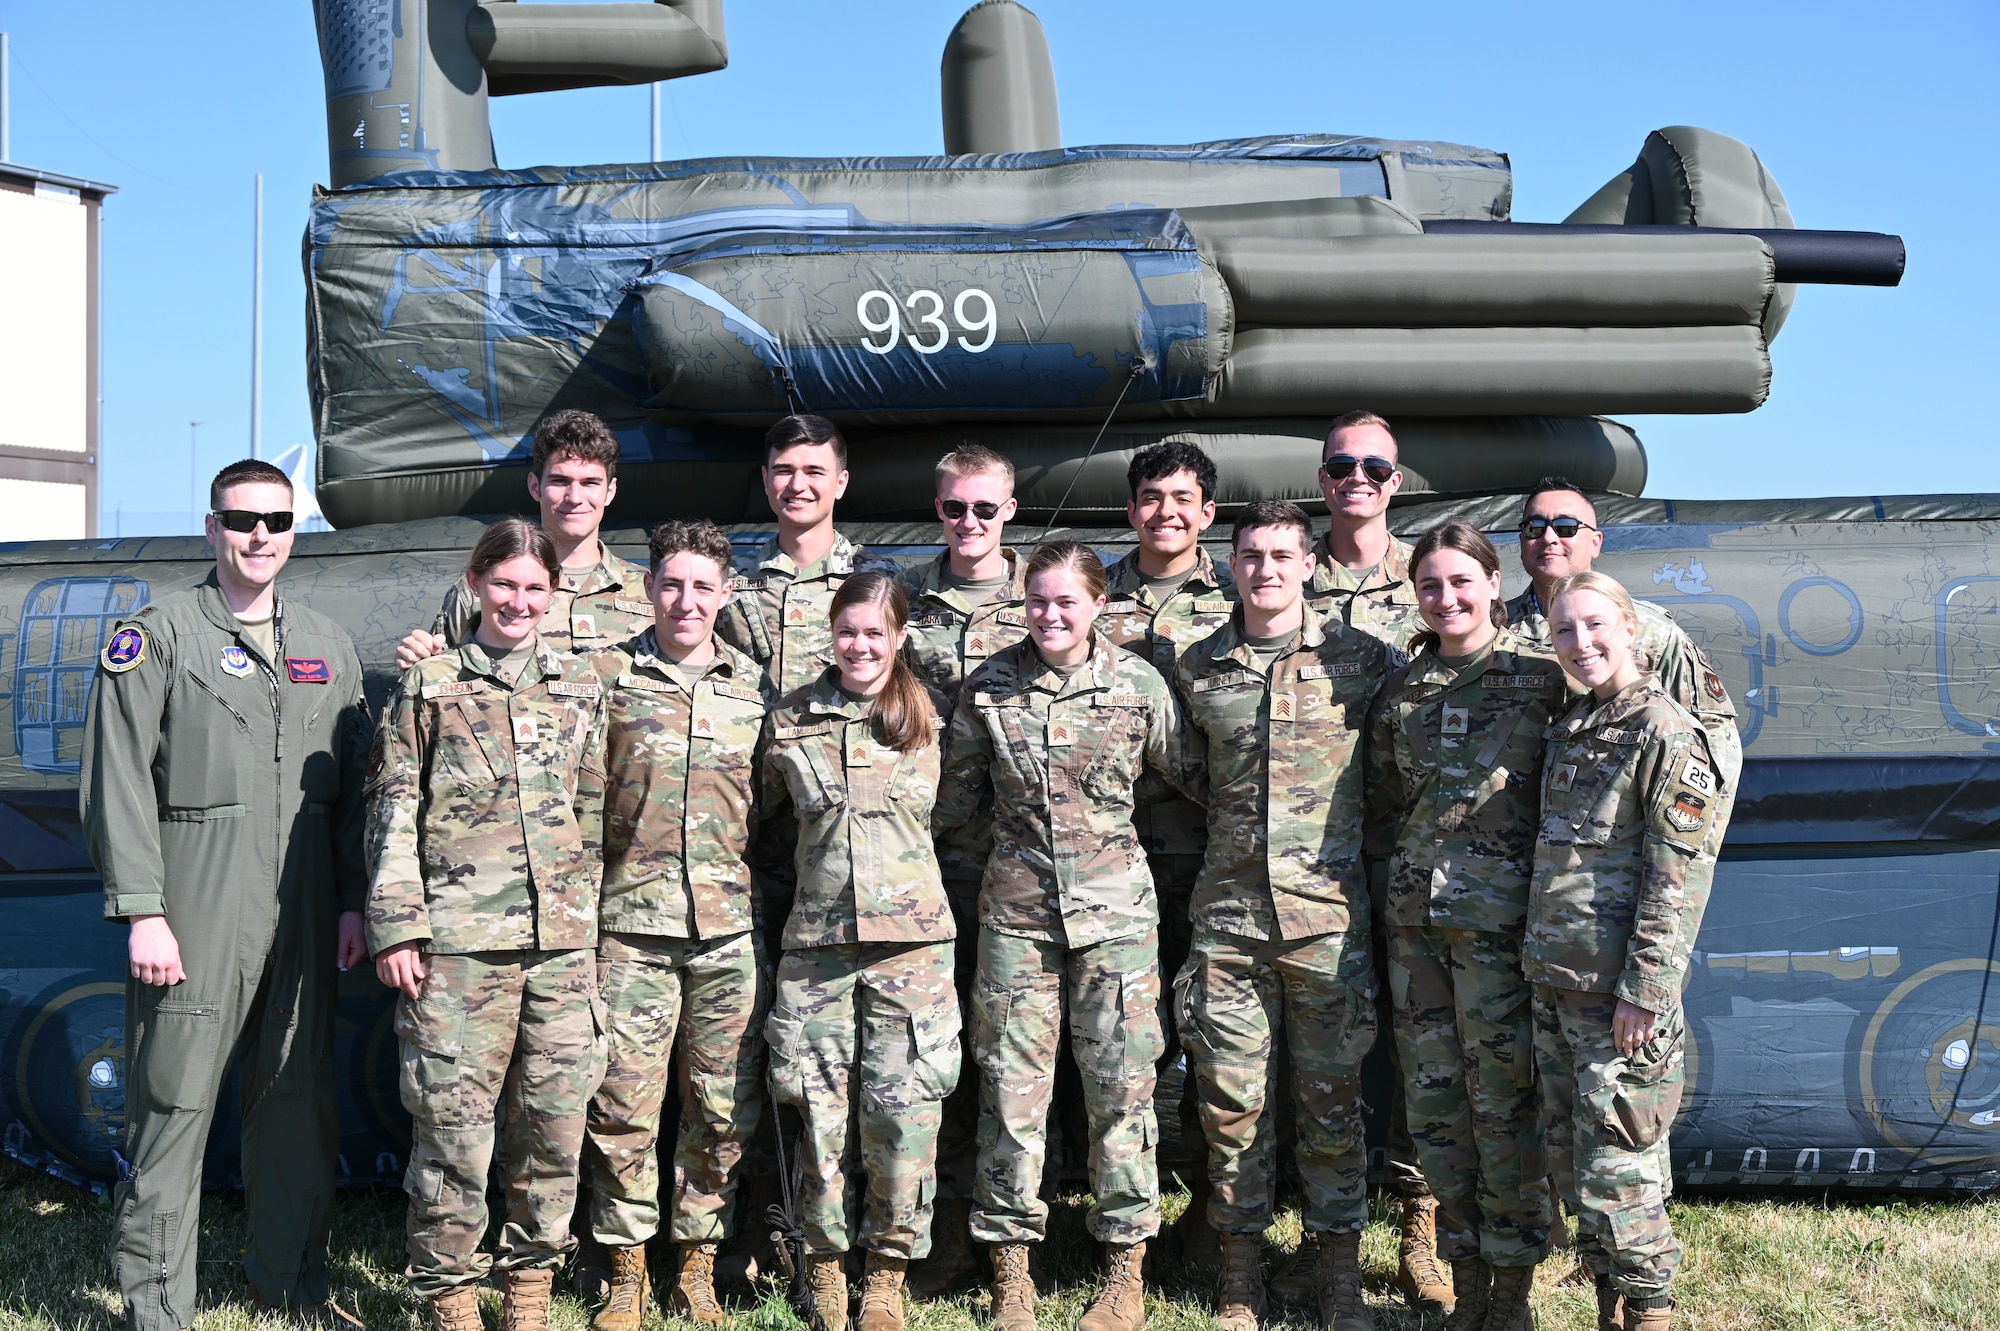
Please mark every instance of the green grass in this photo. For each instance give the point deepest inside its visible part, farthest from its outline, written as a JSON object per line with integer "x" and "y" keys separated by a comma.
{"x": 1798, "y": 1265}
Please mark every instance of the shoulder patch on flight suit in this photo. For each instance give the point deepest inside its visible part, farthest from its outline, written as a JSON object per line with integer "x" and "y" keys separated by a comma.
{"x": 453, "y": 689}
{"x": 126, "y": 649}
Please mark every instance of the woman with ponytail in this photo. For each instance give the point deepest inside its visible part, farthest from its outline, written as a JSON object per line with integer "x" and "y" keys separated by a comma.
{"x": 1050, "y": 735}
{"x": 866, "y": 1012}
{"x": 1454, "y": 771}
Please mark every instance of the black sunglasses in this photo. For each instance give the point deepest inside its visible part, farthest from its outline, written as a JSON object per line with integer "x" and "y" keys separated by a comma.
{"x": 1565, "y": 526}
{"x": 243, "y": 520}
{"x": 985, "y": 510}
{"x": 1341, "y": 466}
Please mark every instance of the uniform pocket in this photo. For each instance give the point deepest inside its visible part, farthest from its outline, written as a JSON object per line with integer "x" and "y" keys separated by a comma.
{"x": 936, "y": 1050}
{"x": 1642, "y": 1097}
{"x": 177, "y": 1046}
{"x": 1139, "y": 1015}
{"x": 1186, "y": 998}
{"x": 785, "y": 1032}
{"x": 431, "y": 1030}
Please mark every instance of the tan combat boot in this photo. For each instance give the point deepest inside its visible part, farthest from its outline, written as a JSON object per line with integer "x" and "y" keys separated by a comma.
{"x": 1418, "y": 1273}
{"x": 1340, "y": 1304}
{"x": 1121, "y": 1304}
{"x": 827, "y": 1274}
{"x": 952, "y": 1264}
{"x": 1013, "y": 1288}
{"x": 693, "y": 1294}
{"x": 456, "y": 1309}
{"x": 1299, "y": 1282}
{"x": 625, "y": 1302}
{"x": 1239, "y": 1288}
{"x": 1649, "y": 1318}
{"x": 525, "y": 1300}
{"x": 1610, "y": 1305}
{"x": 1507, "y": 1308}
{"x": 882, "y": 1293}
{"x": 1471, "y": 1286}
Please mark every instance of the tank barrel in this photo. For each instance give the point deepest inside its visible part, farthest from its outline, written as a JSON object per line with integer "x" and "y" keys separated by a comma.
{"x": 1837, "y": 258}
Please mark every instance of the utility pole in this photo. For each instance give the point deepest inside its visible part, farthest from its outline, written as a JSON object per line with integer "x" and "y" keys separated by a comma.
{"x": 655, "y": 138}
{"x": 257, "y": 324}
{"x": 195, "y": 508}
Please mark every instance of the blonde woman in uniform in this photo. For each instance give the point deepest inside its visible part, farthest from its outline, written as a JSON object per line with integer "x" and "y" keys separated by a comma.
{"x": 865, "y": 1030}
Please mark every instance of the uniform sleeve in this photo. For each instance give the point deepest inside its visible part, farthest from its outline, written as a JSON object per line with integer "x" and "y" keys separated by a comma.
{"x": 120, "y": 803}
{"x": 1681, "y": 792}
{"x": 774, "y": 846}
{"x": 965, "y": 778}
{"x": 397, "y": 911}
{"x": 1194, "y": 740}
{"x": 353, "y": 735}
{"x": 459, "y": 615}
{"x": 1166, "y": 738}
{"x": 591, "y": 781}
{"x": 1383, "y": 794}
{"x": 740, "y": 626}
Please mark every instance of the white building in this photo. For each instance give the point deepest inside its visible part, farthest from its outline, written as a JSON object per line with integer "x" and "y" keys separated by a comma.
{"x": 50, "y": 266}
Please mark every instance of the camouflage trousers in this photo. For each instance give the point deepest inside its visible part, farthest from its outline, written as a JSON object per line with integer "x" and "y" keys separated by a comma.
{"x": 1465, "y": 1037}
{"x": 1403, "y": 1172}
{"x": 706, "y": 998}
{"x": 1110, "y": 993}
{"x": 958, "y": 1137}
{"x": 524, "y": 1025}
{"x": 865, "y": 1044}
{"x": 1605, "y": 1119}
{"x": 1237, "y": 998}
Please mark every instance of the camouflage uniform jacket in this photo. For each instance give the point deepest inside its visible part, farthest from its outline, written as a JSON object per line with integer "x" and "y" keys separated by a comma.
{"x": 948, "y": 640}
{"x": 1384, "y": 603}
{"x": 486, "y": 807}
{"x": 1283, "y": 777}
{"x": 1056, "y": 759}
{"x": 859, "y": 814}
{"x": 1157, "y": 633}
{"x": 1454, "y": 785}
{"x": 203, "y": 761}
{"x": 680, "y": 775}
{"x": 1621, "y": 876}
{"x": 1663, "y": 647}
{"x": 597, "y": 608}
{"x": 779, "y": 617}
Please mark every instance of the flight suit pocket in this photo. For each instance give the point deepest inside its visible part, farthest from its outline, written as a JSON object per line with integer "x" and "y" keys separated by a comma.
{"x": 785, "y": 1032}
{"x": 177, "y": 1046}
{"x": 1638, "y": 1102}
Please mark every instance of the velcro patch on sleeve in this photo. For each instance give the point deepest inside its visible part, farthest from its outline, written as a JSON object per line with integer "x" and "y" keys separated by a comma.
{"x": 126, "y": 649}
{"x": 459, "y": 688}
{"x": 1687, "y": 805}
{"x": 564, "y": 688}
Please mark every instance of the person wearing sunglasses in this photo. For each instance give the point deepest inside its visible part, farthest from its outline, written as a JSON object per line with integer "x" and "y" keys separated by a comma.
{"x": 223, "y": 756}
{"x": 1363, "y": 578}
{"x": 1560, "y": 537}
{"x": 965, "y": 606}
{"x": 1363, "y": 571}
{"x": 601, "y": 598}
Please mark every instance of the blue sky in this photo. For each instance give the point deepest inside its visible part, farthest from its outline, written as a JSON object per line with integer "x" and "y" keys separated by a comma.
{"x": 1870, "y": 117}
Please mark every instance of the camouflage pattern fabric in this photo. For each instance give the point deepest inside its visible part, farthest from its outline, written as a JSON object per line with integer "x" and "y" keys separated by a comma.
{"x": 705, "y": 999}
{"x": 949, "y": 638}
{"x": 520, "y": 1024}
{"x": 1622, "y": 865}
{"x": 1056, "y": 759}
{"x": 1278, "y": 760}
{"x": 779, "y": 616}
{"x": 1454, "y": 785}
{"x": 1381, "y": 600}
{"x": 680, "y": 777}
{"x": 1686, "y": 675}
{"x": 865, "y": 1044}
{"x": 1605, "y": 1119}
{"x": 1466, "y": 1048}
{"x": 1236, "y": 998}
{"x": 1110, "y": 993}
{"x": 485, "y": 815}
{"x": 591, "y": 609}
{"x": 856, "y": 816}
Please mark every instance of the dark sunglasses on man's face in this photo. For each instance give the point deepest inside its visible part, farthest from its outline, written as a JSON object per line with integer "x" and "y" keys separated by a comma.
{"x": 985, "y": 510}
{"x": 1565, "y": 526}
{"x": 1340, "y": 466}
{"x": 243, "y": 520}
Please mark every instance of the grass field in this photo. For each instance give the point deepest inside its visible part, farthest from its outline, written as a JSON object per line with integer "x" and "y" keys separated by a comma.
{"x": 1793, "y": 1264}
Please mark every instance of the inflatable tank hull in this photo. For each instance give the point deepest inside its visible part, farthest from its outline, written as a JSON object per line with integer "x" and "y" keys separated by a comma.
{"x": 1842, "y": 1034}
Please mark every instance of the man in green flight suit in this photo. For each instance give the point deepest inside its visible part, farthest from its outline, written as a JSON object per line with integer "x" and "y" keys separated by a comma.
{"x": 222, "y": 772}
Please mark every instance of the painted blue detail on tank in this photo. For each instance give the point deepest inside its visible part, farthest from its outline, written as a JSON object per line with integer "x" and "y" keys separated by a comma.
{"x": 1855, "y": 619}
{"x": 1946, "y": 703}
{"x": 63, "y": 625}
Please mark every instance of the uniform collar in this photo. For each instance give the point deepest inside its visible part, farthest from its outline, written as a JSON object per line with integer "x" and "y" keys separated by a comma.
{"x": 1501, "y": 654}
{"x": 1332, "y": 575}
{"x": 828, "y": 700}
{"x": 646, "y": 654}
{"x": 543, "y": 664}
{"x": 609, "y": 573}
{"x": 1313, "y": 630}
{"x": 1125, "y": 578}
{"x": 1594, "y": 713}
{"x": 219, "y": 614}
{"x": 928, "y": 579}
{"x": 1035, "y": 673}
{"x": 838, "y": 561}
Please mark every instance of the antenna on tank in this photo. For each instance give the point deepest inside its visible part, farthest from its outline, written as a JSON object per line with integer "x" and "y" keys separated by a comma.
{"x": 257, "y": 322}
